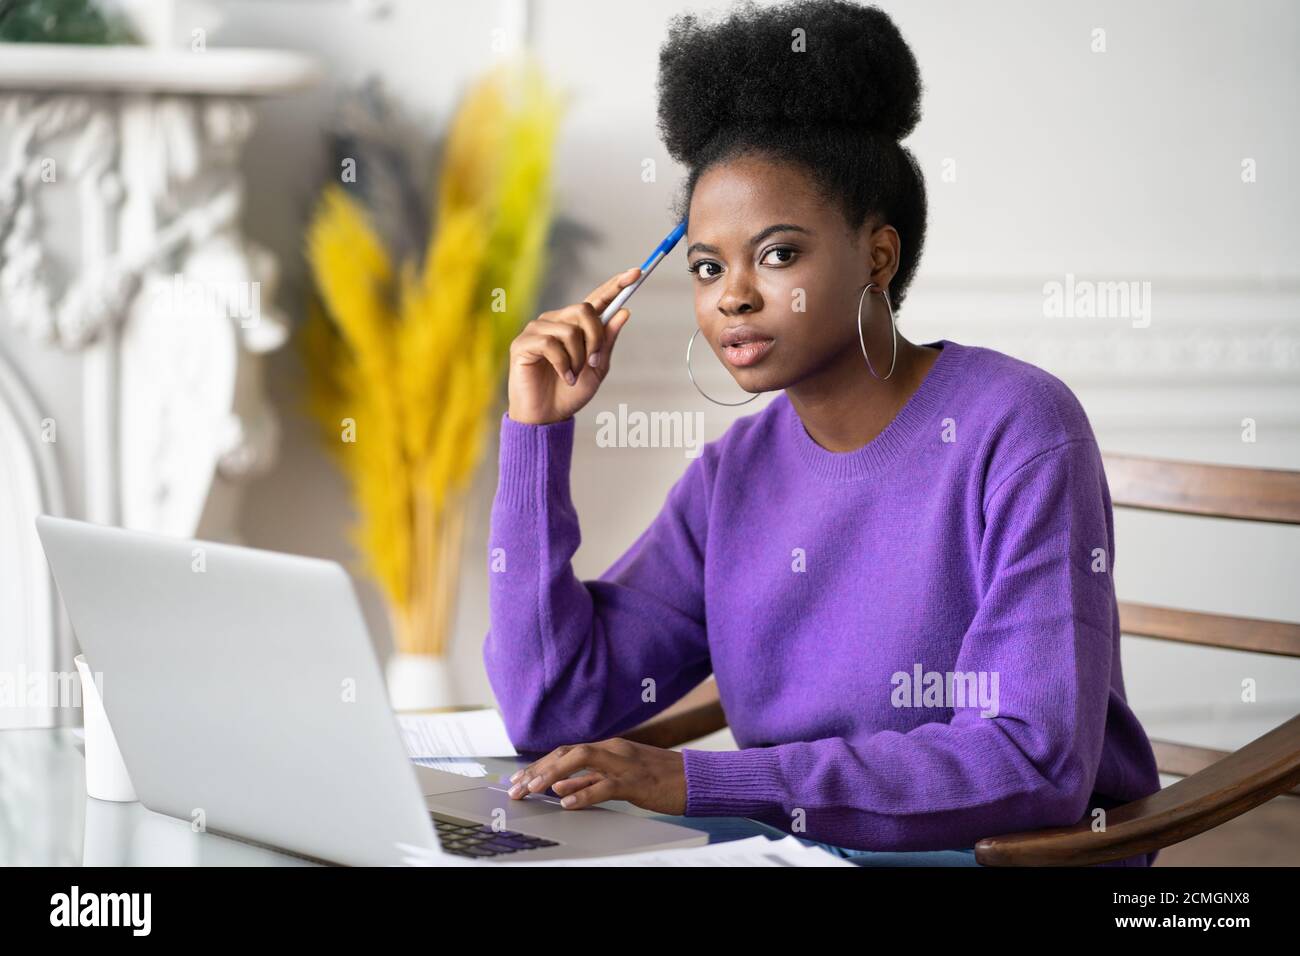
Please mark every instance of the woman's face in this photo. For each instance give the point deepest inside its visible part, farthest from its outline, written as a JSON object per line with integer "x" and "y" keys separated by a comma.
{"x": 770, "y": 254}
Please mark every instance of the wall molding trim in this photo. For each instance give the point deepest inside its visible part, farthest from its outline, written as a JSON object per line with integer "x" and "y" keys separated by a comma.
{"x": 1211, "y": 350}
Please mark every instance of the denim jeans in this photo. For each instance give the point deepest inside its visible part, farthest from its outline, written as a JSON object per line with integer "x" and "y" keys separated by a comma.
{"x": 722, "y": 829}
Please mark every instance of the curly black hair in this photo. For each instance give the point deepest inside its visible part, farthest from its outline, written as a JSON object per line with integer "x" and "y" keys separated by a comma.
{"x": 838, "y": 107}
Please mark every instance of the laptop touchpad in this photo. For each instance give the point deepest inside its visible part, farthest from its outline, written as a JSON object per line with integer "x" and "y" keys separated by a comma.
{"x": 482, "y": 801}
{"x": 440, "y": 781}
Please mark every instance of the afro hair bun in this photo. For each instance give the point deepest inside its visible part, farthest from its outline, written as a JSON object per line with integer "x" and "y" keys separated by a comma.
{"x": 850, "y": 67}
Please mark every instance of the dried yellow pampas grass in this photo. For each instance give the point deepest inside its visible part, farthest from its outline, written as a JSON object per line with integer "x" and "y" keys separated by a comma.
{"x": 405, "y": 360}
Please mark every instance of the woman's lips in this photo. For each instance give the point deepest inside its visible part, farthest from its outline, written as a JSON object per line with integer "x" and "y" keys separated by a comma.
{"x": 747, "y": 353}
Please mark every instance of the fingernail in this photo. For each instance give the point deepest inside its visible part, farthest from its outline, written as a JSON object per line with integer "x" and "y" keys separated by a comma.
{"x": 535, "y": 784}
{"x": 594, "y": 359}
{"x": 515, "y": 776}
{"x": 516, "y": 790}
{"x": 569, "y": 377}
{"x": 568, "y": 801}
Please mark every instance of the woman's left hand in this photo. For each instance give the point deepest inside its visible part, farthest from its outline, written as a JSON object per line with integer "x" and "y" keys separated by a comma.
{"x": 649, "y": 777}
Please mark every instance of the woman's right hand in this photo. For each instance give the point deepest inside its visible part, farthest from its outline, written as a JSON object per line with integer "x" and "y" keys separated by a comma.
{"x": 558, "y": 344}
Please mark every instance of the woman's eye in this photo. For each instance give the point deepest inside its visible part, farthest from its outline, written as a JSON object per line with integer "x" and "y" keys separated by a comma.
{"x": 790, "y": 253}
{"x": 702, "y": 264}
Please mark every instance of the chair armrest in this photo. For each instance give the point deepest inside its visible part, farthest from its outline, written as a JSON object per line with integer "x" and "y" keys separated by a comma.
{"x": 696, "y": 715}
{"x": 1239, "y": 782}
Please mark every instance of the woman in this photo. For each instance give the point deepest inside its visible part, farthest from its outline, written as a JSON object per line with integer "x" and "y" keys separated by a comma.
{"x": 899, "y": 570}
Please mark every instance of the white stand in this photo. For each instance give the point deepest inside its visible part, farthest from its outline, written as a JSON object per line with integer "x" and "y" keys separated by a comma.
{"x": 106, "y": 776}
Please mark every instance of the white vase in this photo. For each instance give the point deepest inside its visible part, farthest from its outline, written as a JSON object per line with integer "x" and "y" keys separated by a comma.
{"x": 419, "y": 681}
{"x": 106, "y": 776}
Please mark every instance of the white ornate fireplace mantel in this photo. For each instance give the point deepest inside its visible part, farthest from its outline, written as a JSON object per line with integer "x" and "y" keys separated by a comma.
{"x": 124, "y": 280}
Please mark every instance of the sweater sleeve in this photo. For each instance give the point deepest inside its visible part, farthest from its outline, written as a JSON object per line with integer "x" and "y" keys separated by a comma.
{"x": 1043, "y": 628}
{"x": 570, "y": 660}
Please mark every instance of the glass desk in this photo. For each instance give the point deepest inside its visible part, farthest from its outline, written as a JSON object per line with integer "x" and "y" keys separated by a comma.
{"x": 46, "y": 818}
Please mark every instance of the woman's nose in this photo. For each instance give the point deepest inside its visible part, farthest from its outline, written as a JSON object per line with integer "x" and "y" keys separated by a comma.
{"x": 738, "y": 300}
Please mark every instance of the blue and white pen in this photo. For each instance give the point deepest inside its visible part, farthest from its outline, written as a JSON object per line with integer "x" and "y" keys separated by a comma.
{"x": 647, "y": 267}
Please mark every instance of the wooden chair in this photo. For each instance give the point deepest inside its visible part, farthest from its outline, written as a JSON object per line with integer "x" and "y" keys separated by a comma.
{"x": 1217, "y": 785}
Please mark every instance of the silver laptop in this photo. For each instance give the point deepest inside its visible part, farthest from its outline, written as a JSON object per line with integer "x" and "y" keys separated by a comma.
{"x": 243, "y": 684}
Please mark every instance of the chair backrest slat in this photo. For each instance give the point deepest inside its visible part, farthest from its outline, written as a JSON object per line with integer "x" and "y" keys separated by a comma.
{"x": 1212, "y": 630}
{"x": 1218, "y": 491}
{"x": 1183, "y": 760}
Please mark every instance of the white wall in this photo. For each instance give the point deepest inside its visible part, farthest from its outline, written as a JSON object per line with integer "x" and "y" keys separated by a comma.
{"x": 1123, "y": 165}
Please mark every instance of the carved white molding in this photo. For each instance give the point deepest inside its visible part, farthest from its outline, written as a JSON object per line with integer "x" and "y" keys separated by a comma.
{"x": 159, "y": 297}
{"x": 27, "y": 289}
{"x": 169, "y": 144}
{"x": 176, "y": 181}
{"x": 33, "y": 631}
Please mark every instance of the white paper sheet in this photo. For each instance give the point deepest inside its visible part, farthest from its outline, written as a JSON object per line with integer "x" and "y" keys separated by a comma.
{"x": 755, "y": 851}
{"x": 470, "y": 733}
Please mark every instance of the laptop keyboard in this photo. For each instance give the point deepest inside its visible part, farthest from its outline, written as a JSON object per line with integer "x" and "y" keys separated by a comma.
{"x": 480, "y": 840}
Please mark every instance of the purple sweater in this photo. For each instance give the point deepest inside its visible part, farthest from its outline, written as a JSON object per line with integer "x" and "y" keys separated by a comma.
{"x": 916, "y": 643}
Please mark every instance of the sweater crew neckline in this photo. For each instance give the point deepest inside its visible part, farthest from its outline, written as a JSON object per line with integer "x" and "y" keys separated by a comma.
{"x": 879, "y": 453}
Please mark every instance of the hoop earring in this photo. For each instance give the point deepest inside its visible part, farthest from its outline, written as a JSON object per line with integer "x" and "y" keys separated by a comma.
{"x": 697, "y": 384}
{"x": 893, "y": 327}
